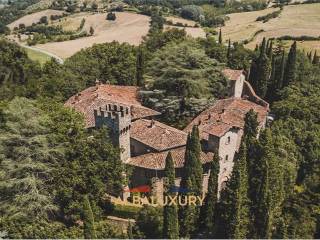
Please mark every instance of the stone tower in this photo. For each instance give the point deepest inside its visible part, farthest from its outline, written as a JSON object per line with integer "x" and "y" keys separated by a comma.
{"x": 118, "y": 120}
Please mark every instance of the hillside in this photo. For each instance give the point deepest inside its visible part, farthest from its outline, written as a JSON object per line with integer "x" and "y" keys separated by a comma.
{"x": 294, "y": 20}
{"x": 128, "y": 27}
{"x": 29, "y": 19}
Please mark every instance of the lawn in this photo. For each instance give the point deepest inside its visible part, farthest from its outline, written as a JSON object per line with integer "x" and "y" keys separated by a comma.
{"x": 37, "y": 56}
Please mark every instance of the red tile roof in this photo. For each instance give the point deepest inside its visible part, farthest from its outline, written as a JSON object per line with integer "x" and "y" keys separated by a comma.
{"x": 157, "y": 161}
{"x": 232, "y": 74}
{"x": 103, "y": 94}
{"x": 224, "y": 115}
{"x": 157, "y": 135}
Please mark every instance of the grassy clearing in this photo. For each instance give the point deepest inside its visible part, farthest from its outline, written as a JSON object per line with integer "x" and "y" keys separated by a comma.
{"x": 37, "y": 56}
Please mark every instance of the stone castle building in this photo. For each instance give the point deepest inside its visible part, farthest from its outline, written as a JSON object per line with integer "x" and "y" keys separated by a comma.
{"x": 145, "y": 142}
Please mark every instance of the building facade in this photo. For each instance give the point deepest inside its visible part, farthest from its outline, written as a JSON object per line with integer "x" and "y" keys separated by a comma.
{"x": 145, "y": 142}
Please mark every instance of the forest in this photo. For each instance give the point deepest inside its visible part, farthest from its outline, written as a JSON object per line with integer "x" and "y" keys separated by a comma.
{"x": 55, "y": 174}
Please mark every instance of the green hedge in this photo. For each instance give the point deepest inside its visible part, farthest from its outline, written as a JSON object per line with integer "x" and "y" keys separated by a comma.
{"x": 126, "y": 212}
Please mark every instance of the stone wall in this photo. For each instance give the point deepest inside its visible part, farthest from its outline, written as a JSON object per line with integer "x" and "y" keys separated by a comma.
{"x": 118, "y": 119}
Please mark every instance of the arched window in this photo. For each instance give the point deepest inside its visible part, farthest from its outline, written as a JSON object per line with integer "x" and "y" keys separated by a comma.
{"x": 228, "y": 140}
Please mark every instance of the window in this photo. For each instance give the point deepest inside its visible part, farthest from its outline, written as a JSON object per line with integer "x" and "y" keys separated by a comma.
{"x": 226, "y": 157}
{"x": 228, "y": 140}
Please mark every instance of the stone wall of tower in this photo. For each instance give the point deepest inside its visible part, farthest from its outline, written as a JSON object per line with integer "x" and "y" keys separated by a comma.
{"x": 118, "y": 120}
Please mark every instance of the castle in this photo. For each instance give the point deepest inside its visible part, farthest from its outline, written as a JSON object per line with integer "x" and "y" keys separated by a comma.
{"x": 145, "y": 142}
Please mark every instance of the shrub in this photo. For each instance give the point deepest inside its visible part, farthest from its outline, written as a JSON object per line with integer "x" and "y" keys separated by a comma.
{"x": 269, "y": 16}
{"x": 43, "y": 20}
{"x": 111, "y": 16}
{"x": 192, "y": 12}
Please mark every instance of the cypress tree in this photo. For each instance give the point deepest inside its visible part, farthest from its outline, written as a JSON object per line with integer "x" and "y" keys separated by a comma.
{"x": 188, "y": 215}
{"x": 281, "y": 74}
{"x": 229, "y": 49}
{"x": 88, "y": 220}
{"x": 251, "y": 124}
{"x": 272, "y": 82}
{"x": 263, "y": 46}
{"x": 270, "y": 49}
{"x": 234, "y": 203}
{"x": 170, "y": 213}
{"x": 208, "y": 210}
{"x": 315, "y": 58}
{"x": 259, "y": 188}
{"x": 240, "y": 202}
{"x": 140, "y": 67}
{"x": 192, "y": 181}
{"x": 220, "y": 36}
{"x": 260, "y": 72}
{"x": 253, "y": 73}
{"x": 290, "y": 69}
{"x": 196, "y": 165}
{"x": 263, "y": 70}
{"x": 267, "y": 46}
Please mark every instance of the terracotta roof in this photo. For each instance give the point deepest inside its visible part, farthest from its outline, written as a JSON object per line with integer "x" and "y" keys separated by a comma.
{"x": 224, "y": 115}
{"x": 157, "y": 161}
{"x": 103, "y": 94}
{"x": 232, "y": 74}
{"x": 157, "y": 135}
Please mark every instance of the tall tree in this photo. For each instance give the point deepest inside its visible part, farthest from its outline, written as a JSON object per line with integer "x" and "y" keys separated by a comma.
{"x": 270, "y": 50}
{"x": 272, "y": 86}
{"x": 208, "y": 210}
{"x": 263, "y": 46}
{"x": 140, "y": 67}
{"x": 220, "y": 36}
{"x": 192, "y": 181}
{"x": 233, "y": 215}
{"x": 290, "y": 69}
{"x": 259, "y": 190}
{"x": 263, "y": 75}
{"x": 281, "y": 73}
{"x": 260, "y": 71}
{"x": 250, "y": 125}
{"x": 229, "y": 49}
{"x": 195, "y": 148}
{"x": 88, "y": 220}
{"x": 170, "y": 213}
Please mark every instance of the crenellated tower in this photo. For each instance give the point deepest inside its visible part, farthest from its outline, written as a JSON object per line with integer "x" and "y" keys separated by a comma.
{"x": 118, "y": 119}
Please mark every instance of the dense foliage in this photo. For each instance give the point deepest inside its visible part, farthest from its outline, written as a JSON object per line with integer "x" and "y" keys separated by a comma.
{"x": 46, "y": 168}
{"x": 185, "y": 70}
{"x": 55, "y": 175}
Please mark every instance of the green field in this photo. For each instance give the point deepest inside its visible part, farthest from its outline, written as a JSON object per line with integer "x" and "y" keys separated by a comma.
{"x": 37, "y": 56}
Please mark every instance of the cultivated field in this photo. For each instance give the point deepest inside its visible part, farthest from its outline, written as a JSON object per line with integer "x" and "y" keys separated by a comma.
{"x": 190, "y": 29}
{"x": 294, "y": 20}
{"x": 34, "y": 18}
{"x": 128, "y": 27}
{"x": 175, "y": 20}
